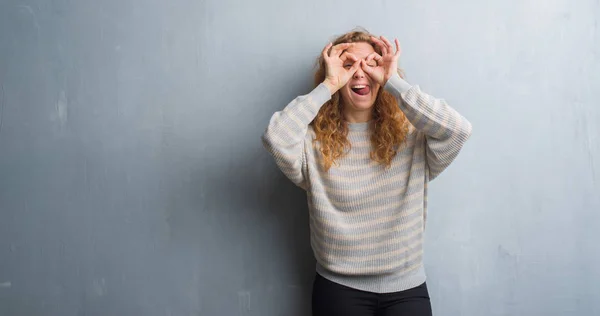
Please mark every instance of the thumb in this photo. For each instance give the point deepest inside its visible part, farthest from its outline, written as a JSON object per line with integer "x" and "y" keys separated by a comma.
{"x": 366, "y": 68}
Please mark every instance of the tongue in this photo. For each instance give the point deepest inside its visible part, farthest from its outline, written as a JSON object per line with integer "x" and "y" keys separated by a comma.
{"x": 363, "y": 91}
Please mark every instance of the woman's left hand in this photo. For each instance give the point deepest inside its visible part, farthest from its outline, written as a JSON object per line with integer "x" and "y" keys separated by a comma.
{"x": 386, "y": 64}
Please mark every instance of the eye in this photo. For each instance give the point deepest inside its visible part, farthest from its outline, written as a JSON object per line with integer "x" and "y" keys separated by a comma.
{"x": 348, "y": 66}
{"x": 372, "y": 63}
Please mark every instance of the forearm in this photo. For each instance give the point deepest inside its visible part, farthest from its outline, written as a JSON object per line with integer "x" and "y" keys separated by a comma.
{"x": 430, "y": 115}
{"x": 445, "y": 130}
{"x": 284, "y": 136}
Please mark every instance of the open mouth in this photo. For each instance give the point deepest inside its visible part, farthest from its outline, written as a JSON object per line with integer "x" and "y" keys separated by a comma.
{"x": 361, "y": 89}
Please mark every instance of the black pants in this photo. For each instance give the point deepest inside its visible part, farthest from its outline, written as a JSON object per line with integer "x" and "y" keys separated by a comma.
{"x": 333, "y": 299}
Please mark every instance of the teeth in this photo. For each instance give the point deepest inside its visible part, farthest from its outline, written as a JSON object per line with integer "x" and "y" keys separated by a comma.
{"x": 359, "y": 87}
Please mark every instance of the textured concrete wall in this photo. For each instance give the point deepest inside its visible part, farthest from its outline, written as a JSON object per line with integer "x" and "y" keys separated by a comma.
{"x": 133, "y": 181}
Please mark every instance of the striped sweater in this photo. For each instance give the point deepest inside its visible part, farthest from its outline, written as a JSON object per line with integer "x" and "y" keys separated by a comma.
{"x": 367, "y": 221}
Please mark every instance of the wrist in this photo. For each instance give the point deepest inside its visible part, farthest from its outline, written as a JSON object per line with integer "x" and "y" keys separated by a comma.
{"x": 332, "y": 88}
{"x": 386, "y": 78}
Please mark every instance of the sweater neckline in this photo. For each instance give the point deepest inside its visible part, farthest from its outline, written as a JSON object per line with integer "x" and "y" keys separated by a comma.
{"x": 362, "y": 126}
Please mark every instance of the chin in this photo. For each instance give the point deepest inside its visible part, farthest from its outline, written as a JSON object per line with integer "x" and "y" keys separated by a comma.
{"x": 362, "y": 106}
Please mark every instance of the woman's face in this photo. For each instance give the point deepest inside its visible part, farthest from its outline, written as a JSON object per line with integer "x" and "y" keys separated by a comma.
{"x": 359, "y": 94}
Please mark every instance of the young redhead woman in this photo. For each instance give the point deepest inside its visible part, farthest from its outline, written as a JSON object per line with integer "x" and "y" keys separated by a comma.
{"x": 363, "y": 144}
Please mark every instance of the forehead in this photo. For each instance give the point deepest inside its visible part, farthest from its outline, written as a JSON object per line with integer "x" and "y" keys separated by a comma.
{"x": 361, "y": 50}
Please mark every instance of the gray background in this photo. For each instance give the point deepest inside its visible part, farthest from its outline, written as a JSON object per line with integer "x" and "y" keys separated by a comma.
{"x": 133, "y": 181}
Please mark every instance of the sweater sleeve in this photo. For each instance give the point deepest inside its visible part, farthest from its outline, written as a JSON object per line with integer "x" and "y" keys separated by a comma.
{"x": 285, "y": 134}
{"x": 444, "y": 128}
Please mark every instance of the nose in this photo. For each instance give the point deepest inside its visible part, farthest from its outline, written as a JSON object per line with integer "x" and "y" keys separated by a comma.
{"x": 359, "y": 74}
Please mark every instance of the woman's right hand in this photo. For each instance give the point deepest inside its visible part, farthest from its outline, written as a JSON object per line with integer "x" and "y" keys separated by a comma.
{"x": 340, "y": 66}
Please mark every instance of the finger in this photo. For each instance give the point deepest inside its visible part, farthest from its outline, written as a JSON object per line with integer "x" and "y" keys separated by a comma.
{"x": 325, "y": 50}
{"x": 387, "y": 44}
{"x": 382, "y": 45}
{"x": 356, "y": 65}
{"x": 379, "y": 43}
{"x": 363, "y": 64}
{"x": 398, "y": 50}
{"x": 384, "y": 50}
{"x": 348, "y": 56}
{"x": 366, "y": 68}
{"x": 374, "y": 56}
{"x": 350, "y": 72}
{"x": 338, "y": 49}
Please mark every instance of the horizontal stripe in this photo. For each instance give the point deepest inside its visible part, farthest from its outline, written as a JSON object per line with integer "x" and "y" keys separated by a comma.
{"x": 339, "y": 223}
{"x": 356, "y": 257}
{"x": 399, "y": 163}
{"x": 383, "y": 241}
{"x": 368, "y": 187}
{"x": 414, "y": 223}
{"x": 413, "y": 186}
{"x": 384, "y": 206}
{"x": 405, "y": 266}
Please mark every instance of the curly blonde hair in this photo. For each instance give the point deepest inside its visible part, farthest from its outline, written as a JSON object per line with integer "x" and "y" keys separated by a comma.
{"x": 390, "y": 125}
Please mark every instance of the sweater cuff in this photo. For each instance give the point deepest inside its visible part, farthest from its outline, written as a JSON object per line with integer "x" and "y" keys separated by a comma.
{"x": 397, "y": 85}
{"x": 320, "y": 94}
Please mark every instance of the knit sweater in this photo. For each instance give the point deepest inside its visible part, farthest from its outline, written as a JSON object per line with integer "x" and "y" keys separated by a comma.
{"x": 367, "y": 221}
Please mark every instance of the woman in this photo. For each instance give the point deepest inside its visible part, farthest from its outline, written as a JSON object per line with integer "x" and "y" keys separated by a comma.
{"x": 364, "y": 144}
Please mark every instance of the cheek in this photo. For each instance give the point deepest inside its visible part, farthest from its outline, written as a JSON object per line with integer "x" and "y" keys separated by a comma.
{"x": 344, "y": 92}
{"x": 376, "y": 90}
